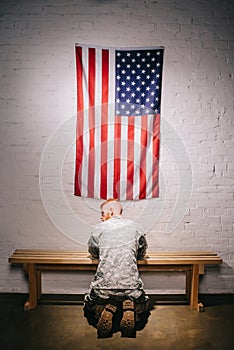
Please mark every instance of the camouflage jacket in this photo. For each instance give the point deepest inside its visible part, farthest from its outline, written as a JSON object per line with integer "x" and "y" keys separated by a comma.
{"x": 118, "y": 243}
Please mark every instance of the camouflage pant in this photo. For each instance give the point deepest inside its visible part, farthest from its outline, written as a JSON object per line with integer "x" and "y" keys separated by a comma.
{"x": 94, "y": 305}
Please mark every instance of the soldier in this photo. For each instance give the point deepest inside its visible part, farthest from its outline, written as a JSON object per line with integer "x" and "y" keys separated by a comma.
{"x": 118, "y": 243}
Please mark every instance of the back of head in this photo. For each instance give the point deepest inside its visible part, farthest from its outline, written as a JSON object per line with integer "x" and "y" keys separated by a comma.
{"x": 110, "y": 208}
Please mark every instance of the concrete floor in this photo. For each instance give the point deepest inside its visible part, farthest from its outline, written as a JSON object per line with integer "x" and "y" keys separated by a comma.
{"x": 169, "y": 327}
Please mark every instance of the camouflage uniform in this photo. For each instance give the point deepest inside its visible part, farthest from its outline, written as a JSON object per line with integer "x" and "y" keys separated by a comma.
{"x": 118, "y": 243}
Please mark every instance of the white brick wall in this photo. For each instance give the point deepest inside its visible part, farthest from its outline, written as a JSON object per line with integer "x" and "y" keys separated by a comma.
{"x": 38, "y": 93}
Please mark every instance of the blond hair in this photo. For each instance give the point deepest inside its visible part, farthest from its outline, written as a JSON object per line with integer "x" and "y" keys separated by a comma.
{"x": 112, "y": 204}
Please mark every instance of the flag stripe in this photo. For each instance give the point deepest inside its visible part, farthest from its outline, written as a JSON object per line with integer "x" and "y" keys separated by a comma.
{"x": 144, "y": 136}
{"x": 155, "y": 156}
{"x": 79, "y": 128}
{"x": 91, "y": 88}
{"x": 98, "y": 97}
{"x": 111, "y": 124}
{"x": 117, "y": 155}
{"x": 104, "y": 124}
{"x": 85, "y": 87}
{"x": 130, "y": 172}
{"x": 123, "y": 156}
{"x": 137, "y": 152}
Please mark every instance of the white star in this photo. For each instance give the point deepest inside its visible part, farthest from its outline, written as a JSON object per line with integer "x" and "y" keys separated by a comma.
{"x": 128, "y": 54}
{"x": 123, "y": 94}
{"x": 147, "y": 100}
{"x": 123, "y": 83}
{"x": 152, "y": 82}
{"x": 128, "y": 65}
{"x": 138, "y": 100}
{"x": 123, "y": 71}
{"x": 152, "y": 93}
{"x": 151, "y": 105}
{"x": 156, "y": 98}
{"x": 138, "y": 66}
{"x": 127, "y": 112}
{"x": 148, "y": 53}
{"x": 128, "y": 88}
{"x": 147, "y": 76}
{"x": 143, "y": 94}
{"x": 143, "y": 59}
{"x": 133, "y": 60}
{"x": 128, "y": 100}
{"x": 158, "y": 64}
{"x": 153, "y": 59}
{"x": 133, "y": 94}
{"x": 118, "y": 100}
{"x": 143, "y": 83}
{"x": 133, "y": 83}
{"x": 118, "y": 88}
{"x": 138, "y": 54}
{"x": 153, "y": 70}
{"x": 147, "y": 88}
{"x": 138, "y": 77}
{"x": 128, "y": 77}
{"x": 118, "y": 77}
{"x": 138, "y": 88}
{"x": 157, "y": 75}
{"x": 148, "y": 65}
{"x": 118, "y": 65}
{"x": 123, "y": 60}
{"x": 143, "y": 71}
{"x": 122, "y": 106}
{"x": 118, "y": 53}
{"x": 133, "y": 71}
{"x": 158, "y": 53}
{"x": 157, "y": 87}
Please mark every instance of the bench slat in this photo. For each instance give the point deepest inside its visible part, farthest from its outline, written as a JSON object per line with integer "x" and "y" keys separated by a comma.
{"x": 54, "y": 252}
{"x": 41, "y": 256}
{"x": 88, "y": 261}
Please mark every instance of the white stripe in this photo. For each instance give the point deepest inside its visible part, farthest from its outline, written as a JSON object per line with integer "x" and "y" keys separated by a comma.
{"x": 98, "y": 101}
{"x": 137, "y": 153}
{"x": 123, "y": 157}
{"x": 149, "y": 158}
{"x": 84, "y": 183}
{"x": 111, "y": 124}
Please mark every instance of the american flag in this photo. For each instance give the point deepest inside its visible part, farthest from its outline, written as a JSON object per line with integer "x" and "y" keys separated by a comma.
{"x": 118, "y": 122}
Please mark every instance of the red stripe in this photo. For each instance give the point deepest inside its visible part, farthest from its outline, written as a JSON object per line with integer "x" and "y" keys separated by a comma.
{"x": 144, "y": 139}
{"x": 155, "y": 165}
{"x": 91, "y": 77}
{"x": 104, "y": 126}
{"x": 117, "y": 156}
{"x": 91, "y": 94}
{"x": 105, "y": 76}
{"x": 130, "y": 164}
{"x": 80, "y": 122}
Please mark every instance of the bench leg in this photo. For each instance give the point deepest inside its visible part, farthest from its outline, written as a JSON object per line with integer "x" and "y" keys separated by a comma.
{"x": 188, "y": 284}
{"x": 38, "y": 272}
{"x": 31, "y": 303}
{"x": 195, "y": 289}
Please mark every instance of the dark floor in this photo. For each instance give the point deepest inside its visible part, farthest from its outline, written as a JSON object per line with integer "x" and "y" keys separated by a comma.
{"x": 62, "y": 326}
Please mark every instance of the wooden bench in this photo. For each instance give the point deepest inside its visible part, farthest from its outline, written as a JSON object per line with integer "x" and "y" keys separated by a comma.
{"x": 36, "y": 261}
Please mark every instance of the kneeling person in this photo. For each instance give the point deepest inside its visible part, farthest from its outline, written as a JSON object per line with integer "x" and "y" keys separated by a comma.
{"x": 118, "y": 243}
